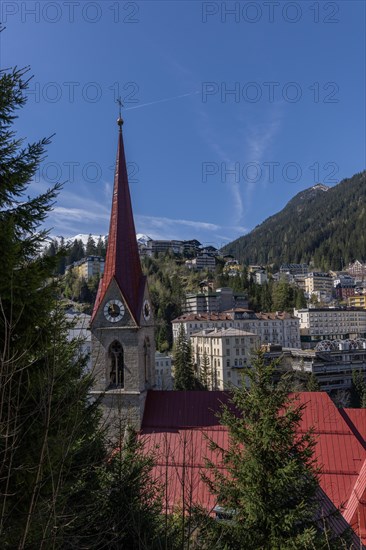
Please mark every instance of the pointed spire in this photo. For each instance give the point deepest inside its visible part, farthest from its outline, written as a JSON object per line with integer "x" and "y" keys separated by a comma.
{"x": 122, "y": 261}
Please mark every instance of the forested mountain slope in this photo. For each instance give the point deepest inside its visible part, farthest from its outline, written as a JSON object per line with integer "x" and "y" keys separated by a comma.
{"x": 323, "y": 226}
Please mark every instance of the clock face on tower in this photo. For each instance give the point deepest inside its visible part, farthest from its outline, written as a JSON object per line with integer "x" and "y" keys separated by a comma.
{"x": 114, "y": 310}
{"x": 147, "y": 310}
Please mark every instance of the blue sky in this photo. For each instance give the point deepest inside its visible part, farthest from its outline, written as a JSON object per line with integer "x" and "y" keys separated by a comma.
{"x": 230, "y": 108}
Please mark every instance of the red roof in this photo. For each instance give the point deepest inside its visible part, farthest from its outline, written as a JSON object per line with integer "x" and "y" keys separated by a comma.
{"x": 229, "y": 316}
{"x": 122, "y": 260}
{"x": 176, "y": 426}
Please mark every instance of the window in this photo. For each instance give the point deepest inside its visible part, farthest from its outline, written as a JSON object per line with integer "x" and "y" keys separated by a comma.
{"x": 116, "y": 373}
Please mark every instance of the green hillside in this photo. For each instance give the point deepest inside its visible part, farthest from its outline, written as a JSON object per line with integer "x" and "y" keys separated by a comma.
{"x": 322, "y": 226}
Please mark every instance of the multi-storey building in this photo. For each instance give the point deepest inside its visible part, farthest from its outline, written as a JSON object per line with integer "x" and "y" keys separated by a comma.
{"x": 272, "y": 328}
{"x": 227, "y": 352}
{"x": 330, "y": 324}
{"x": 317, "y": 281}
{"x": 232, "y": 268}
{"x": 295, "y": 269}
{"x": 214, "y": 301}
{"x": 88, "y": 267}
{"x": 163, "y": 371}
{"x": 357, "y": 269}
{"x": 257, "y": 274}
{"x": 344, "y": 286}
{"x": 358, "y": 300}
{"x": 162, "y": 247}
{"x": 260, "y": 277}
{"x": 172, "y": 246}
{"x": 333, "y": 362}
{"x": 202, "y": 262}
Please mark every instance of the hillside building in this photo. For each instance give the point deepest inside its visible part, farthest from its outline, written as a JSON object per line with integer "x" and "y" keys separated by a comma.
{"x": 333, "y": 362}
{"x": 163, "y": 371}
{"x": 295, "y": 269}
{"x": 357, "y": 269}
{"x": 358, "y": 300}
{"x": 330, "y": 324}
{"x": 227, "y": 352}
{"x": 88, "y": 267}
{"x": 202, "y": 262}
{"x": 278, "y": 328}
{"x": 317, "y": 281}
{"x": 214, "y": 301}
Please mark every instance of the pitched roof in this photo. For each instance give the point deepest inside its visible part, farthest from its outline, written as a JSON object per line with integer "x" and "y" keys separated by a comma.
{"x": 229, "y": 316}
{"x": 221, "y": 332}
{"x": 122, "y": 260}
{"x": 176, "y": 426}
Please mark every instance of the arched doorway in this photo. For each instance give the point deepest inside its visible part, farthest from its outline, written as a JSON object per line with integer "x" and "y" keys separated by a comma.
{"x": 116, "y": 370}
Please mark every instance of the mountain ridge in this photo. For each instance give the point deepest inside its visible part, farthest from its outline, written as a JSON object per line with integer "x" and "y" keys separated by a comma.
{"x": 323, "y": 226}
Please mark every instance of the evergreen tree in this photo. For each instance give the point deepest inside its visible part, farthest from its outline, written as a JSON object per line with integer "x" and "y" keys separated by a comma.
{"x": 76, "y": 252}
{"x": 312, "y": 384}
{"x": 281, "y": 296}
{"x": 299, "y": 298}
{"x": 101, "y": 249}
{"x": 184, "y": 378}
{"x": 269, "y": 488}
{"x": 91, "y": 247}
{"x": 126, "y": 509}
{"x": 358, "y": 389}
{"x": 205, "y": 371}
{"x": 48, "y": 428}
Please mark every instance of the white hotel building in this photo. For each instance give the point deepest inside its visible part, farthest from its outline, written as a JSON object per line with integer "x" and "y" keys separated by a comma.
{"x": 330, "y": 324}
{"x": 278, "y": 328}
{"x": 228, "y": 351}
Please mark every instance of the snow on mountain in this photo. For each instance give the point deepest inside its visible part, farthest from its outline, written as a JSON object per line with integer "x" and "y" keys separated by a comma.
{"x": 320, "y": 187}
{"x": 140, "y": 237}
{"x": 143, "y": 239}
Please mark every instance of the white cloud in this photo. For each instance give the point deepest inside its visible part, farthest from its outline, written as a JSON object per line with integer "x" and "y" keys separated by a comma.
{"x": 79, "y": 214}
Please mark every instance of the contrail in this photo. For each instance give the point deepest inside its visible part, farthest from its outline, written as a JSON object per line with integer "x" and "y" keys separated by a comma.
{"x": 162, "y": 100}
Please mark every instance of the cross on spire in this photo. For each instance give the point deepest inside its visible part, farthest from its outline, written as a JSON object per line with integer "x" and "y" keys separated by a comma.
{"x": 120, "y": 119}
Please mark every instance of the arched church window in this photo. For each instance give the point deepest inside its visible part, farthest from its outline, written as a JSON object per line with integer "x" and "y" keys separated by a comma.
{"x": 116, "y": 373}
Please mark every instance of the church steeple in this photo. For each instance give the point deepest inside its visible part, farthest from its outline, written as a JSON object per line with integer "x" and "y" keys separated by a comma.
{"x": 122, "y": 324}
{"x": 122, "y": 261}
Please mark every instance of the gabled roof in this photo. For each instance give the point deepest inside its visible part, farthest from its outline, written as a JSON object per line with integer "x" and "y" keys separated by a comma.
{"x": 122, "y": 260}
{"x": 176, "y": 426}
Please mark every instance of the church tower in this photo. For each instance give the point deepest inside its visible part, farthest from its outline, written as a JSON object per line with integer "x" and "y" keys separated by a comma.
{"x": 122, "y": 325}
